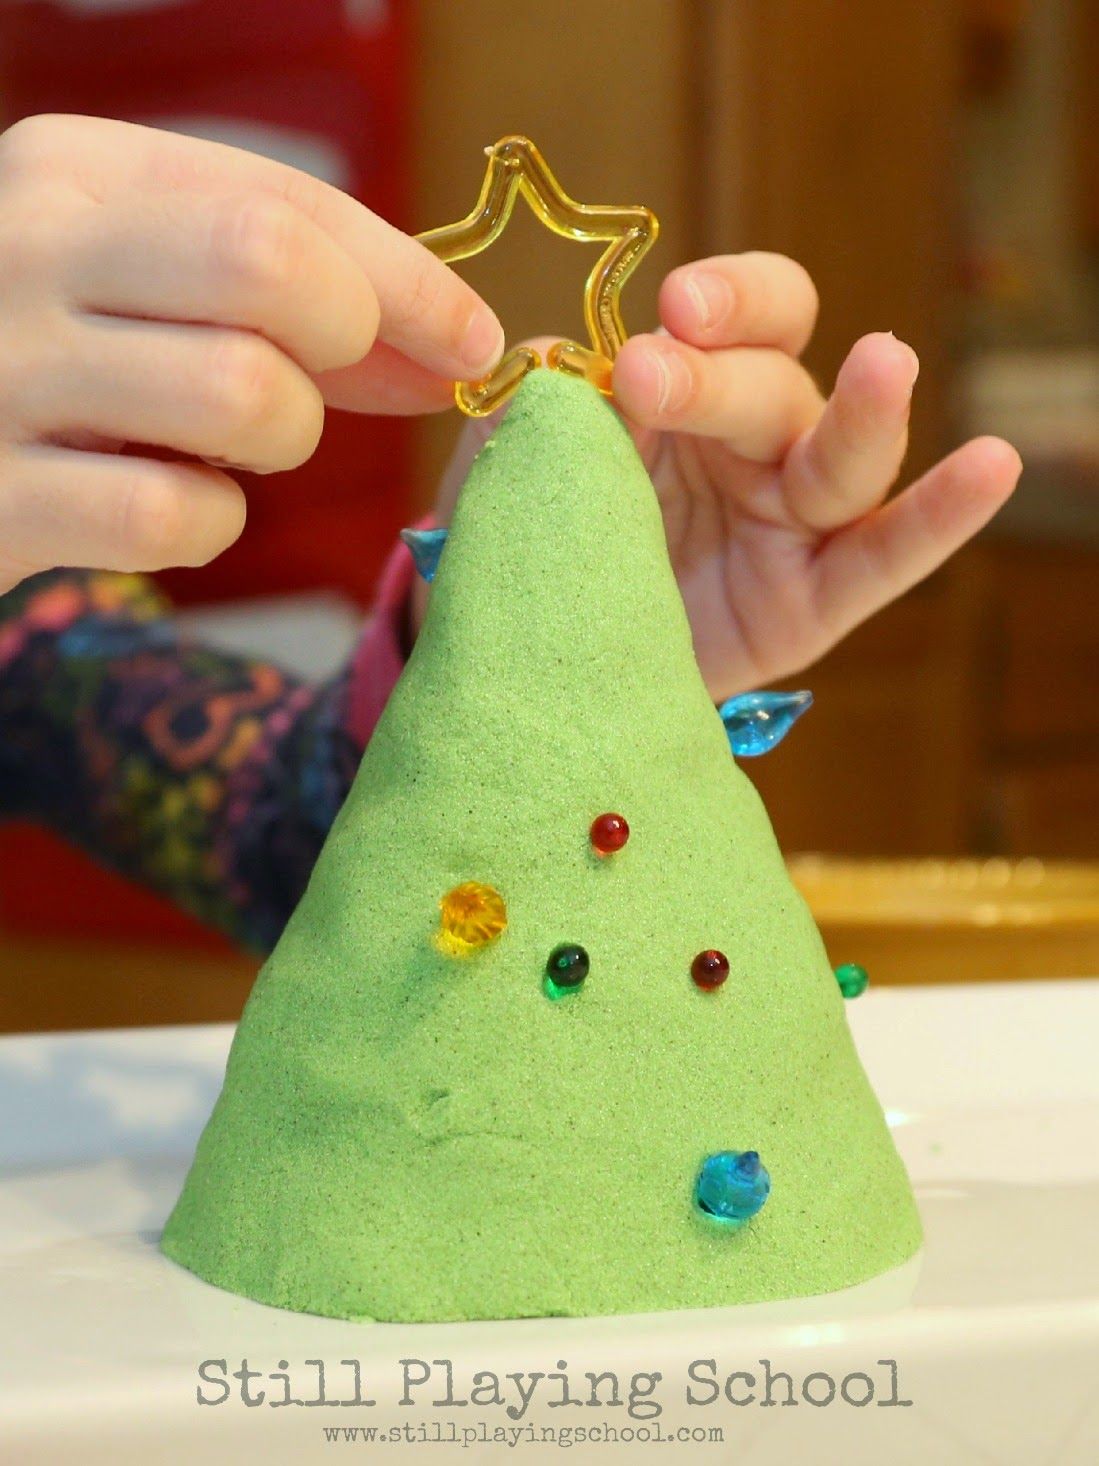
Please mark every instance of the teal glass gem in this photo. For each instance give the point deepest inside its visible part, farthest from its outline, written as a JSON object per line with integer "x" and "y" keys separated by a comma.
{"x": 756, "y": 721}
{"x": 853, "y": 979}
{"x": 566, "y": 970}
{"x": 426, "y": 546}
{"x": 732, "y": 1186}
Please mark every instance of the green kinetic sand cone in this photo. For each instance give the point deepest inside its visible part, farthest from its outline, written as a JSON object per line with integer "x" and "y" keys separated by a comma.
{"x": 420, "y": 1123}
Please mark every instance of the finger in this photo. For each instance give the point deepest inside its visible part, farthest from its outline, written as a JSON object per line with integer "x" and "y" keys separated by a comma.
{"x": 234, "y": 259}
{"x": 427, "y": 311}
{"x": 751, "y": 299}
{"x": 870, "y": 563}
{"x": 227, "y": 396}
{"x": 846, "y": 465}
{"x": 385, "y": 381}
{"x": 105, "y": 512}
{"x": 757, "y": 400}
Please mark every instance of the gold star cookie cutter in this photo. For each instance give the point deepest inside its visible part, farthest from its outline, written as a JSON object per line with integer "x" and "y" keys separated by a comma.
{"x": 515, "y": 166}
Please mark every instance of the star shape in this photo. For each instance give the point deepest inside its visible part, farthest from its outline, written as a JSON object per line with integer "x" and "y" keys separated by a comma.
{"x": 516, "y": 167}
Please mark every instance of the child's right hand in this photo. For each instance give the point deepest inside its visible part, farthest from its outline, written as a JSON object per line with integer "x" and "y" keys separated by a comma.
{"x": 184, "y": 295}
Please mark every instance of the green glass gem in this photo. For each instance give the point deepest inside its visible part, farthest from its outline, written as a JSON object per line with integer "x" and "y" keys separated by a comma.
{"x": 566, "y": 970}
{"x": 852, "y": 979}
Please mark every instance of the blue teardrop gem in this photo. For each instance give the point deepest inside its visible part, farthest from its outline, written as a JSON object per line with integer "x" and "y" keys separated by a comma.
{"x": 732, "y": 1186}
{"x": 756, "y": 721}
{"x": 426, "y": 546}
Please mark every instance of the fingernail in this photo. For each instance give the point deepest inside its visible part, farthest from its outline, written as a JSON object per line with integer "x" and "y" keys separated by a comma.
{"x": 483, "y": 343}
{"x": 711, "y": 295}
{"x": 911, "y": 359}
{"x": 672, "y": 379}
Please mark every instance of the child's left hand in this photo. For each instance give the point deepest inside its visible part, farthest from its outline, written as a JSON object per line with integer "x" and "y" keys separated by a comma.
{"x": 773, "y": 499}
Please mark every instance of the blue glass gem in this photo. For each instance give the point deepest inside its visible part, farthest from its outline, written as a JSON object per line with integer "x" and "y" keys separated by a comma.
{"x": 853, "y": 979}
{"x": 426, "y": 546}
{"x": 756, "y": 721}
{"x": 732, "y": 1186}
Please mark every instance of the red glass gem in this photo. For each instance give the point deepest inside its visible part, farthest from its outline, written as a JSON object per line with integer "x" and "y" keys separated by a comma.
{"x": 710, "y": 969}
{"x": 609, "y": 832}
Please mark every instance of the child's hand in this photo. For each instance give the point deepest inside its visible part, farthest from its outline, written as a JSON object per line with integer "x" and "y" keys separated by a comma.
{"x": 772, "y": 498}
{"x": 176, "y": 293}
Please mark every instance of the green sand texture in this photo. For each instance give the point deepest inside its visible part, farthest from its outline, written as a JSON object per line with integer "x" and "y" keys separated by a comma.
{"x": 407, "y": 1135}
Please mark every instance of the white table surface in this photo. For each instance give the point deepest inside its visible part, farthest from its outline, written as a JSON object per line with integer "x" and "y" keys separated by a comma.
{"x": 993, "y": 1093}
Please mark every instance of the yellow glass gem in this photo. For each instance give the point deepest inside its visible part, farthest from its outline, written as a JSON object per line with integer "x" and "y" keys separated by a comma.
{"x": 515, "y": 166}
{"x": 472, "y": 916}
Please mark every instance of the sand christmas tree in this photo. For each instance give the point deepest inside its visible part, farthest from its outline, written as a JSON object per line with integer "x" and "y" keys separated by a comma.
{"x": 550, "y": 992}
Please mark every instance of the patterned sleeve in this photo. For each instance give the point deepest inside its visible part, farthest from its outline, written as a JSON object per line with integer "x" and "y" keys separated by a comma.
{"x": 210, "y": 777}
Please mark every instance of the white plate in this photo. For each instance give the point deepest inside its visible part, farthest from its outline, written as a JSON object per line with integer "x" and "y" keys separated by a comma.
{"x": 993, "y": 1092}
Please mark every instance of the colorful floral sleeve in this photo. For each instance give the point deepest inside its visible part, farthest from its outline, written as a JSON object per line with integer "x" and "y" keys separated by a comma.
{"x": 211, "y": 777}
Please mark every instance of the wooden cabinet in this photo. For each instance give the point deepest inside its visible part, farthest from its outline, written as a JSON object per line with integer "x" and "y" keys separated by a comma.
{"x": 823, "y": 131}
{"x": 962, "y": 718}
{"x": 827, "y": 134}
{"x": 1041, "y": 747}
{"x": 888, "y": 761}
